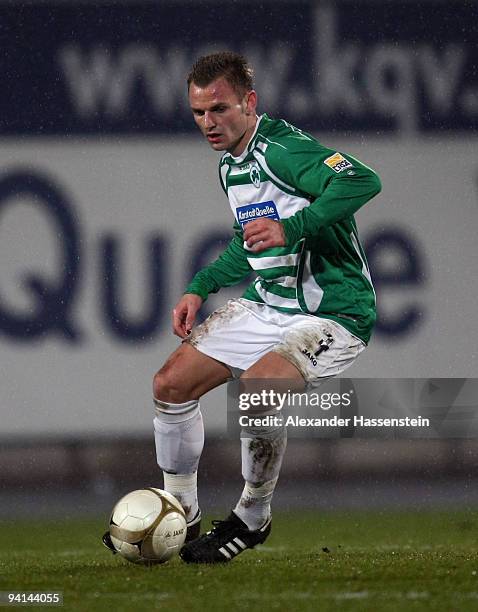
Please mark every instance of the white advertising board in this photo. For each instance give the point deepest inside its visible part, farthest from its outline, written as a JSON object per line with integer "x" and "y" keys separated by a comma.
{"x": 86, "y": 224}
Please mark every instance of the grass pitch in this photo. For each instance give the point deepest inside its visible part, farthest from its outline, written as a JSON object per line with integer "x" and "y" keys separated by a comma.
{"x": 347, "y": 561}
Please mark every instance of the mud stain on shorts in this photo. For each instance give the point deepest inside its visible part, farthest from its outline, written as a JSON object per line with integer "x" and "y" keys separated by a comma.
{"x": 298, "y": 343}
{"x": 218, "y": 319}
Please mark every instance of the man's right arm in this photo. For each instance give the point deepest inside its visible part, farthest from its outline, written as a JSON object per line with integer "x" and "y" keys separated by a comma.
{"x": 230, "y": 268}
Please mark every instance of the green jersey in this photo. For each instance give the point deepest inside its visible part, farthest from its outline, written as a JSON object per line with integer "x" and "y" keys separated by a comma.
{"x": 287, "y": 175}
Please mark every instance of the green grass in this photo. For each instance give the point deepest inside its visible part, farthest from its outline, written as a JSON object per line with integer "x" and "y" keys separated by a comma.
{"x": 371, "y": 561}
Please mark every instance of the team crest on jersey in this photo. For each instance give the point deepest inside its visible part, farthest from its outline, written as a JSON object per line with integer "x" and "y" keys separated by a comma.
{"x": 259, "y": 210}
{"x": 337, "y": 162}
{"x": 255, "y": 175}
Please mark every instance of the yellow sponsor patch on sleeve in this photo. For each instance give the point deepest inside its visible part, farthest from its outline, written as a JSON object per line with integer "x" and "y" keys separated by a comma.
{"x": 337, "y": 162}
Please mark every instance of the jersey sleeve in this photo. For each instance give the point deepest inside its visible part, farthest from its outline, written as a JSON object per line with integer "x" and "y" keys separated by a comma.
{"x": 337, "y": 183}
{"x": 230, "y": 268}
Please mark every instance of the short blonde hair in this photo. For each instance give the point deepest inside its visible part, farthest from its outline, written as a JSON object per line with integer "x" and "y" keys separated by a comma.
{"x": 232, "y": 66}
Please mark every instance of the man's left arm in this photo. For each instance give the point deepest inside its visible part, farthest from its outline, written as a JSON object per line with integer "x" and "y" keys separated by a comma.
{"x": 339, "y": 183}
{"x": 345, "y": 192}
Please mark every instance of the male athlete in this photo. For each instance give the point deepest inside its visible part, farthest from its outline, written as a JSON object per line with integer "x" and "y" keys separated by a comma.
{"x": 293, "y": 202}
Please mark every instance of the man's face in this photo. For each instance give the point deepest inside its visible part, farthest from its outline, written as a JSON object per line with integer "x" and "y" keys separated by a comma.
{"x": 225, "y": 120}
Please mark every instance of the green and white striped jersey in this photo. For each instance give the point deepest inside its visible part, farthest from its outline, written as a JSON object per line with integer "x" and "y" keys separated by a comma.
{"x": 287, "y": 175}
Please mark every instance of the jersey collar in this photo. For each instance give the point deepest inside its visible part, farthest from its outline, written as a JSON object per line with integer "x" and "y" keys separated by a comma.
{"x": 240, "y": 158}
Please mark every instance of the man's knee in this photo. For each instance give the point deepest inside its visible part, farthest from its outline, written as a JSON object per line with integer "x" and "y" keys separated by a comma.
{"x": 169, "y": 382}
{"x": 187, "y": 375}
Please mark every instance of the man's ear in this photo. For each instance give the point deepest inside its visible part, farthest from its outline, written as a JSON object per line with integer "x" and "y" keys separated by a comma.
{"x": 251, "y": 103}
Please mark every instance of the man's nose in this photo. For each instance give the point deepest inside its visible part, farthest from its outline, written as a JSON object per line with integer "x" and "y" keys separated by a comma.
{"x": 208, "y": 120}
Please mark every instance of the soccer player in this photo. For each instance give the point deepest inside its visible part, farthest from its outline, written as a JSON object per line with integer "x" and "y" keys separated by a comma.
{"x": 307, "y": 315}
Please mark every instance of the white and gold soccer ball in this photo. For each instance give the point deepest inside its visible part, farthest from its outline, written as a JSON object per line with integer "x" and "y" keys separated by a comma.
{"x": 148, "y": 526}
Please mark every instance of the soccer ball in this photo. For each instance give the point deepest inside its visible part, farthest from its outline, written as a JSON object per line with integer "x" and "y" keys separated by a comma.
{"x": 148, "y": 526}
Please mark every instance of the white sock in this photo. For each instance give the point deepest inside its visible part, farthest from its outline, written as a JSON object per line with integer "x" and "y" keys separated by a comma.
{"x": 179, "y": 438}
{"x": 184, "y": 489}
{"x": 254, "y": 505}
{"x": 262, "y": 452}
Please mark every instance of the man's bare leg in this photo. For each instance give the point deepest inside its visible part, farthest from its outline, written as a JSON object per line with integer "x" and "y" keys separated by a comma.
{"x": 273, "y": 366}
{"x": 178, "y": 426}
{"x": 188, "y": 374}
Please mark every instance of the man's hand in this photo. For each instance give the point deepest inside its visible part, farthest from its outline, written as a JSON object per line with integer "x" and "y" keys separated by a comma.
{"x": 184, "y": 314}
{"x": 261, "y": 234}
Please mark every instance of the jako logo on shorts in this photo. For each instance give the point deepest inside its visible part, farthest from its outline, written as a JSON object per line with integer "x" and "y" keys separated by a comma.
{"x": 250, "y": 212}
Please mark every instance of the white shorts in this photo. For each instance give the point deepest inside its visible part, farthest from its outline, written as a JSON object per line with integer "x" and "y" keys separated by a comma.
{"x": 241, "y": 332}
